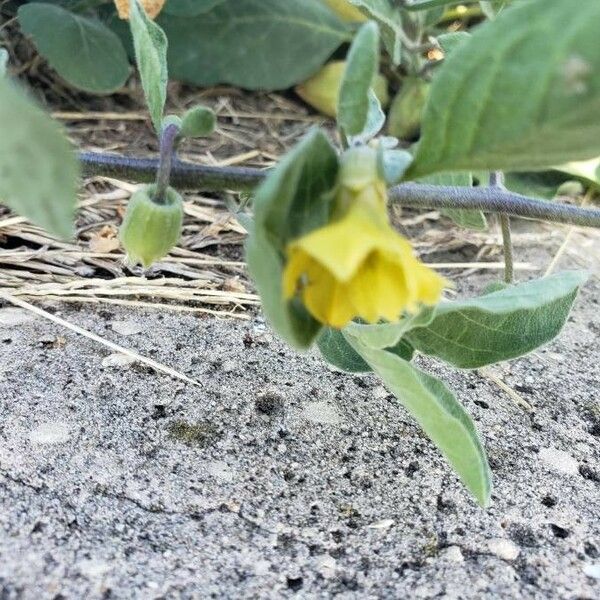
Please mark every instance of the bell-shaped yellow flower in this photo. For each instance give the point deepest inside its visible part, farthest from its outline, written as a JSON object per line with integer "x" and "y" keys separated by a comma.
{"x": 358, "y": 265}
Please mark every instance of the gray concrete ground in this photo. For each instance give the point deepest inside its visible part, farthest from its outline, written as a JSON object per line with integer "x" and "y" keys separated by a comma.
{"x": 279, "y": 477}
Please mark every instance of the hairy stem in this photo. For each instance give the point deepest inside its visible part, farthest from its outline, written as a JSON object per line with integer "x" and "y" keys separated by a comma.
{"x": 168, "y": 143}
{"x": 509, "y": 271}
{"x": 185, "y": 175}
{"x": 497, "y": 183}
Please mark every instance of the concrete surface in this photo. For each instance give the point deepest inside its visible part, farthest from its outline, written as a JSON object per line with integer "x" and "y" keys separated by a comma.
{"x": 279, "y": 477}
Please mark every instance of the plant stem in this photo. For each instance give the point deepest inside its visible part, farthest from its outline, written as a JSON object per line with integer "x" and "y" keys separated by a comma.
{"x": 185, "y": 175}
{"x": 497, "y": 183}
{"x": 168, "y": 142}
{"x": 509, "y": 270}
{"x": 491, "y": 200}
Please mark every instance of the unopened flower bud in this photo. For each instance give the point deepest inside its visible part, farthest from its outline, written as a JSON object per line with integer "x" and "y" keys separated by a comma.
{"x": 150, "y": 229}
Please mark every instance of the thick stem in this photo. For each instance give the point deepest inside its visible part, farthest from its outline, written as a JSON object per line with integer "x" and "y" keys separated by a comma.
{"x": 185, "y": 175}
{"x": 168, "y": 142}
{"x": 491, "y": 200}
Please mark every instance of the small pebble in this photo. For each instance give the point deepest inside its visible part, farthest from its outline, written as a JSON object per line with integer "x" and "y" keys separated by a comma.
{"x": 118, "y": 359}
{"x": 129, "y": 327}
{"x": 559, "y": 461}
{"x": 503, "y": 549}
{"x": 50, "y": 433}
{"x": 592, "y": 571}
{"x": 11, "y": 317}
{"x": 322, "y": 412}
{"x": 384, "y": 524}
{"x": 453, "y": 554}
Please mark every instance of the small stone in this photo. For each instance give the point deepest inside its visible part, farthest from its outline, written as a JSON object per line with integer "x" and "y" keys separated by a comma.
{"x": 118, "y": 359}
{"x": 11, "y": 317}
{"x": 559, "y": 461}
{"x": 94, "y": 569}
{"x": 53, "y": 432}
{"x": 453, "y": 554}
{"x": 322, "y": 412}
{"x": 229, "y": 366}
{"x": 327, "y": 566}
{"x": 262, "y": 567}
{"x": 503, "y": 549}
{"x": 592, "y": 571}
{"x": 379, "y": 392}
{"x": 129, "y": 327}
{"x": 220, "y": 470}
{"x": 384, "y": 524}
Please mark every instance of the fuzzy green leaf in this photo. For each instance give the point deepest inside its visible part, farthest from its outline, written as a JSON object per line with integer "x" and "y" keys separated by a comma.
{"x": 362, "y": 64}
{"x": 150, "y": 43}
{"x": 293, "y": 200}
{"x": 389, "y": 18}
{"x": 522, "y": 93}
{"x": 38, "y": 169}
{"x": 438, "y": 412}
{"x": 499, "y": 326}
{"x": 83, "y": 51}
{"x": 190, "y": 8}
{"x": 254, "y": 44}
{"x": 338, "y": 352}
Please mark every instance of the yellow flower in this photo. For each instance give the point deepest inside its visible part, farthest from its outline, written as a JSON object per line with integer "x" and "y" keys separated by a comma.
{"x": 152, "y": 7}
{"x": 358, "y": 265}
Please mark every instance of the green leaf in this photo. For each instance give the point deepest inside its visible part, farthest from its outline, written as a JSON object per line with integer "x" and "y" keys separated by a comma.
{"x": 190, "y": 8}
{"x": 38, "y": 169}
{"x": 77, "y": 6}
{"x": 293, "y": 200}
{"x": 254, "y": 44}
{"x": 588, "y": 170}
{"x": 338, "y": 352}
{"x": 83, "y": 51}
{"x": 362, "y": 65}
{"x": 387, "y": 335}
{"x": 393, "y": 164}
{"x": 199, "y": 121}
{"x": 374, "y": 123}
{"x": 427, "y": 4}
{"x": 540, "y": 184}
{"x": 438, "y": 412}
{"x": 471, "y": 219}
{"x": 150, "y": 43}
{"x": 389, "y": 19}
{"x": 499, "y": 326}
{"x": 506, "y": 100}
{"x": 451, "y": 41}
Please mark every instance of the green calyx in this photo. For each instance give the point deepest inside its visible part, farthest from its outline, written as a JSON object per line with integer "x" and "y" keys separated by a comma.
{"x": 150, "y": 230}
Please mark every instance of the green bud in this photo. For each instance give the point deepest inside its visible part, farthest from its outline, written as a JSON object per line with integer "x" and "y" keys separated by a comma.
{"x": 149, "y": 229}
{"x": 199, "y": 121}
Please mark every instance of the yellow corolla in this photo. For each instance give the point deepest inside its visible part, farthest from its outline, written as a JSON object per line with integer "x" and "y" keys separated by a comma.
{"x": 358, "y": 265}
